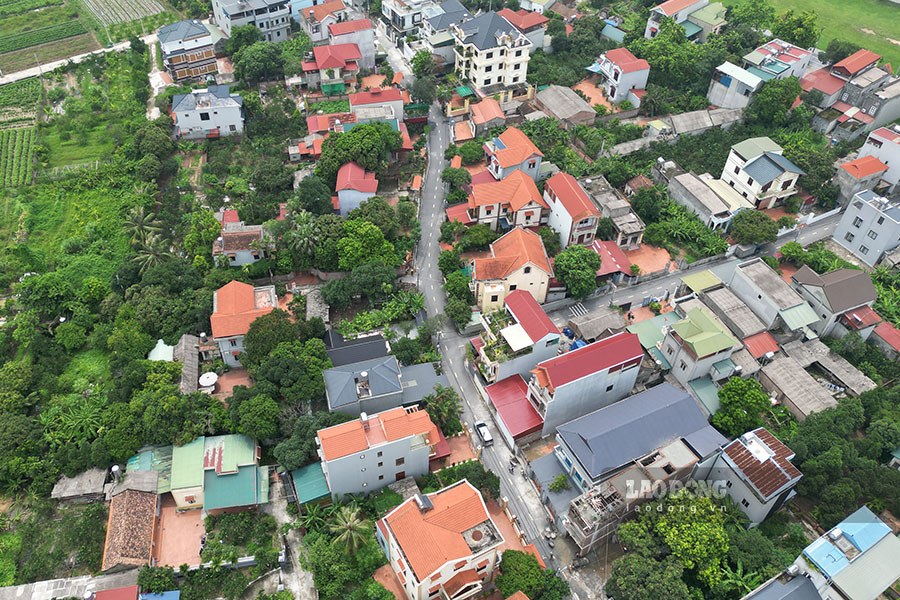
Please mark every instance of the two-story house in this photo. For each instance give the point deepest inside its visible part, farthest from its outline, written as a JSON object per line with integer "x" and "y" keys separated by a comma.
{"x": 777, "y": 59}
{"x": 757, "y": 170}
{"x": 836, "y": 293}
{"x": 628, "y": 226}
{"x": 333, "y": 68}
{"x": 490, "y": 52}
{"x": 441, "y": 545}
{"x": 392, "y": 98}
{"x": 405, "y": 17}
{"x": 512, "y": 150}
{"x": 518, "y": 261}
{"x": 187, "y": 50}
{"x": 572, "y": 214}
{"x": 884, "y": 144}
{"x": 863, "y": 173}
{"x": 516, "y": 339}
{"x": 359, "y": 32}
{"x": 368, "y": 453}
{"x": 771, "y": 298}
{"x": 757, "y": 474}
{"x": 315, "y": 20}
{"x": 235, "y": 306}
{"x": 584, "y": 379}
{"x": 513, "y": 202}
{"x": 732, "y": 87}
{"x": 699, "y": 345}
{"x": 208, "y": 113}
{"x": 238, "y": 243}
{"x": 271, "y": 17}
{"x": 622, "y": 73}
{"x": 678, "y": 11}
{"x": 354, "y": 186}
{"x": 869, "y": 227}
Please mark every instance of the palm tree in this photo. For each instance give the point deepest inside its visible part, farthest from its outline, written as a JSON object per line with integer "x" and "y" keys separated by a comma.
{"x": 141, "y": 223}
{"x": 151, "y": 253}
{"x": 350, "y": 529}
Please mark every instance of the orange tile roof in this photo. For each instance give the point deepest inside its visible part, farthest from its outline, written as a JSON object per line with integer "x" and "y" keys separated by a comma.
{"x": 864, "y": 166}
{"x": 627, "y": 61}
{"x": 456, "y": 162}
{"x": 342, "y": 440}
{"x": 462, "y": 133}
{"x": 518, "y": 148}
{"x": 856, "y": 61}
{"x": 670, "y": 7}
{"x": 352, "y": 437}
{"x": 434, "y": 538}
{"x": 486, "y": 110}
{"x": 513, "y": 250}
{"x": 517, "y": 191}
{"x": 319, "y": 12}
{"x": 523, "y": 19}
{"x": 460, "y": 580}
{"x": 349, "y": 26}
{"x": 416, "y": 183}
{"x": 336, "y": 56}
{"x": 235, "y": 309}
{"x": 573, "y": 198}
{"x": 397, "y": 79}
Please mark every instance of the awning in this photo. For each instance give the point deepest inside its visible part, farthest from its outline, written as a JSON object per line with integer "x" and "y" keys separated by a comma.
{"x": 798, "y": 316}
{"x": 725, "y": 365}
{"x": 691, "y": 29}
{"x": 516, "y": 337}
{"x": 701, "y": 281}
{"x": 464, "y": 91}
{"x": 309, "y": 483}
{"x": 707, "y": 392}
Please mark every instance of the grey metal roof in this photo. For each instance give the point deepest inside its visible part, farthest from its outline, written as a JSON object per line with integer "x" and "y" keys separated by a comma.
{"x": 383, "y": 374}
{"x": 454, "y": 12}
{"x": 236, "y": 6}
{"x": 215, "y": 96}
{"x": 770, "y": 283}
{"x": 563, "y": 102}
{"x": 419, "y": 380}
{"x": 181, "y": 30}
{"x": 844, "y": 288}
{"x": 347, "y": 352}
{"x": 611, "y": 437}
{"x": 766, "y": 167}
{"x": 798, "y": 588}
{"x": 482, "y": 31}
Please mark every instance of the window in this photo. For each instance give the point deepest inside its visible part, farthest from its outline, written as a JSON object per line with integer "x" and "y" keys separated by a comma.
{"x": 380, "y": 477}
{"x": 787, "y": 184}
{"x": 488, "y": 68}
{"x": 682, "y": 366}
{"x": 399, "y": 461}
{"x": 380, "y": 454}
{"x": 552, "y": 342}
{"x": 204, "y": 116}
{"x": 880, "y": 220}
{"x": 518, "y": 53}
{"x": 766, "y": 187}
{"x": 849, "y": 237}
{"x": 872, "y": 234}
{"x": 857, "y": 222}
{"x": 609, "y": 388}
{"x": 232, "y": 128}
{"x": 737, "y": 170}
{"x": 493, "y": 298}
{"x": 513, "y": 287}
{"x": 489, "y": 210}
{"x": 744, "y": 503}
{"x": 749, "y": 181}
{"x": 233, "y": 343}
{"x": 728, "y": 483}
{"x": 516, "y": 66}
{"x": 315, "y": 29}
{"x": 515, "y": 79}
{"x": 381, "y": 464}
{"x": 489, "y": 55}
{"x": 527, "y": 270}
{"x": 487, "y": 81}
{"x": 531, "y": 164}
{"x": 863, "y": 250}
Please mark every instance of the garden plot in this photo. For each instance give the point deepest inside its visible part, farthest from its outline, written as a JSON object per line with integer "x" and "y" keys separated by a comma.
{"x": 110, "y": 12}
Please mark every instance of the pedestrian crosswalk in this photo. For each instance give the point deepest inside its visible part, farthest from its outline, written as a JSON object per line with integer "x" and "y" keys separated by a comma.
{"x": 578, "y": 310}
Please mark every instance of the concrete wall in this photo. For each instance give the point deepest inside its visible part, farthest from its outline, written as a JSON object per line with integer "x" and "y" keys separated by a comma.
{"x": 887, "y": 153}
{"x": 373, "y": 469}
{"x": 190, "y": 124}
{"x": 365, "y": 40}
{"x": 229, "y": 345}
{"x": 855, "y": 236}
{"x": 745, "y": 289}
{"x": 693, "y": 368}
{"x": 502, "y": 172}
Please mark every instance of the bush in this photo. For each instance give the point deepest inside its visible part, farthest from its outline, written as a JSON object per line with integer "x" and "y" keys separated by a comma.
{"x": 156, "y": 580}
{"x": 560, "y": 483}
{"x": 792, "y": 204}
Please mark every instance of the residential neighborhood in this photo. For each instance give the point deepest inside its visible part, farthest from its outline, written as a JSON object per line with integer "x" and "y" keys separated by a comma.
{"x": 422, "y": 299}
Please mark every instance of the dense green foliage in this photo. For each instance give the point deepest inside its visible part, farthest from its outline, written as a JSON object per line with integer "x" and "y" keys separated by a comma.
{"x": 520, "y": 572}
{"x": 576, "y": 267}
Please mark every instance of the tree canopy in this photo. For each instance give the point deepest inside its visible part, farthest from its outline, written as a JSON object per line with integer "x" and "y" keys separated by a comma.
{"x": 576, "y": 267}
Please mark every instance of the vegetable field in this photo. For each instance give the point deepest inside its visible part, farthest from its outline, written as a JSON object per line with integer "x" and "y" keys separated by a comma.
{"x": 19, "y": 101}
{"x": 16, "y": 147}
{"x": 14, "y": 7}
{"x": 142, "y": 26}
{"x": 110, "y": 12}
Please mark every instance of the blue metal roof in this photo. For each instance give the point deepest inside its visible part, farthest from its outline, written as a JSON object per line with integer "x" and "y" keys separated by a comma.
{"x": 863, "y": 529}
{"x": 766, "y": 167}
{"x": 173, "y": 595}
{"x": 612, "y": 32}
{"x": 691, "y": 29}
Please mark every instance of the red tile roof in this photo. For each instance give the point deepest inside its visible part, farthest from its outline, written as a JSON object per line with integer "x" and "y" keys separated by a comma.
{"x": 639, "y": 182}
{"x": 519, "y": 148}
{"x": 612, "y": 258}
{"x": 856, "y": 61}
{"x": 351, "y": 176}
{"x": 888, "y": 135}
{"x": 510, "y": 398}
{"x": 405, "y": 140}
{"x": 767, "y": 476}
{"x": 352, "y": 437}
{"x": 323, "y": 123}
{"x": 487, "y": 110}
{"x": 864, "y": 167}
{"x": 122, "y": 593}
{"x": 433, "y": 538}
{"x": 349, "y": 26}
{"x": 670, "y": 7}
{"x": 517, "y": 190}
{"x": 823, "y": 81}
{"x": 336, "y": 56}
{"x": 572, "y": 197}
{"x": 627, "y": 61}
{"x": 522, "y": 19}
{"x": 760, "y": 344}
{"x": 416, "y": 183}
{"x": 459, "y": 212}
{"x": 462, "y": 132}
{"x": 319, "y": 12}
{"x": 378, "y": 96}
{"x": 236, "y": 308}
{"x": 456, "y": 162}
{"x": 889, "y": 333}
{"x": 460, "y": 580}
{"x": 530, "y": 315}
{"x": 230, "y": 216}
{"x": 129, "y": 531}
{"x": 510, "y": 252}
{"x": 601, "y": 355}
{"x": 860, "y": 318}
{"x": 397, "y": 79}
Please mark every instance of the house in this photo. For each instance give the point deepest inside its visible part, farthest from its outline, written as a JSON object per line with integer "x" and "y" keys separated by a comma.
{"x": 84, "y": 487}
{"x": 616, "y": 455}
{"x": 833, "y": 294}
{"x": 208, "y": 113}
{"x": 187, "y": 50}
{"x": 785, "y": 587}
{"x": 442, "y": 544}
{"x": 614, "y": 264}
{"x": 486, "y": 115}
{"x": 756, "y": 169}
{"x": 354, "y": 454}
{"x": 731, "y": 311}
{"x": 238, "y": 244}
{"x": 530, "y": 22}
{"x": 572, "y": 213}
{"x": 884, "y": 144}
{"x": 518, "y": 261}
{"x": 513, "y": 150}
{"x": 514, "y": 341}
{"x": 538, "y": 6}
{"x": 490, "y": 52}
{"x": 512, "y": 202}
{"x": 235, "y": 306}
{"x": 834, "y": 371}
{"x": 564, "y": 105}
{"x": 697, "y": 195}
{"x": 869, "y": 227}
{"x": 757, "y": 473}
{"x": 678, "y": 11}
{"x": 333, "y": 68}
{"x": 887, "y": 338}
{"x": 314, "y": 20}
{"x": 789, "y": 383}
{"x": 710, "y": 19}
{"x": 129, "y": 531}
{"x": 584, "y": 379}
{"x": 354, "y": 186}
{"x": 359, "y": 32}
{"x": 271, "y": 17}
{"x": 698, "y": 346}
{"x": 855, "y": 560}
{"x": 863, "y": 173}
{"x": 189, "y": 351}
{"x": 622, "y": 74}
{"x": 777, "y": 59}
{"x": 392, "y": 98}
{"x": 599, "y": 323}
{"x": 629, "y": 228}
{"x": 343, "y": 352}
{"x": 732, "y": 87}
{"x": 770, "y": 297}
{"x": 405, "y": 17}
{"x": 322, "y": 124}
{"x": 436, "y": 30}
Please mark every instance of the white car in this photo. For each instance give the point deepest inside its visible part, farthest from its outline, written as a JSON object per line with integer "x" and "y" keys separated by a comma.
{"x": 484, "y": 433}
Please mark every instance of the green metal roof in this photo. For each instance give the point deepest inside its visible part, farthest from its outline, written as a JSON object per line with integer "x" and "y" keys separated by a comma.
{"x": 236, "y": 450}
{"x": 333, "y": 89}
{"x": 703, "y": 333}
{"x": 753, "y": 147}
{"x": 187, "y": 464}
{"x": 707, "y": 392}
{"x": 613, "y": 33}
{"x": 724, "y": 365}
{"x": 691, "y": 29}
{"x": 711, "y": 14}
{"x": 764, "y": 75}
{"x": 154, "y": 459}
{"x": 649, "y": 332}
{"x": 657, "y": 354}
{"x": 896, "y": 453}
{"x": 232, "y": 489}
{"x": 797, "y": 317}
{"x": 309, "y": 483}
{"x": 464, "y": 91}
{"x": 701, "y": 281}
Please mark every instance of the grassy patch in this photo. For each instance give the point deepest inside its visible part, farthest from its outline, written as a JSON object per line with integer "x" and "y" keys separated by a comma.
{"x": 330, "y": 107}
{"x": 24, "y": 59}
{"x": 94, "y": 144}
{"x": 868, "y": 23}
{"x": 91, "y": 365}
